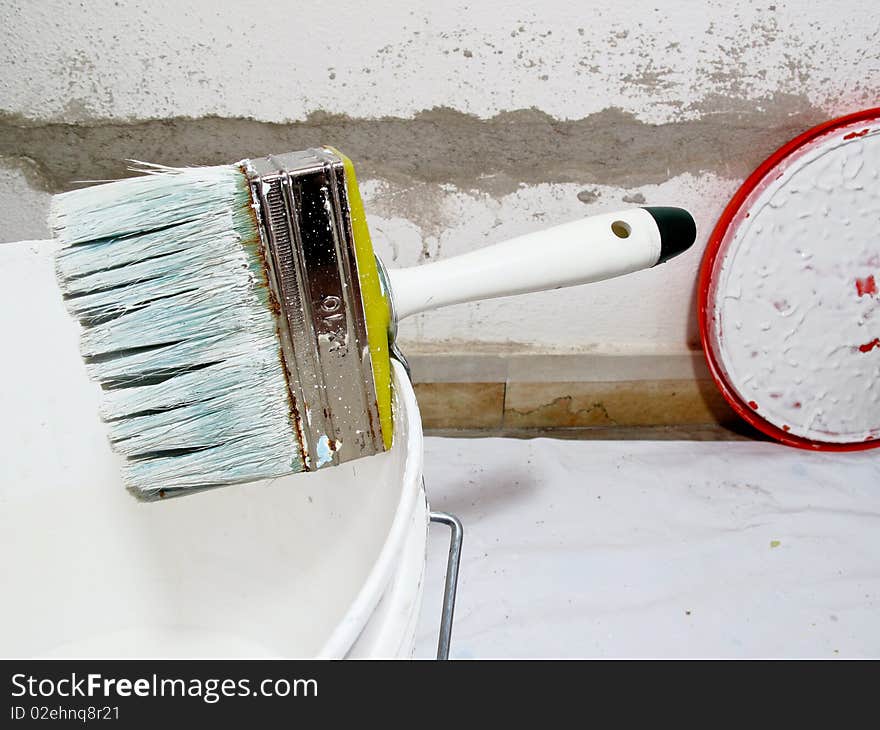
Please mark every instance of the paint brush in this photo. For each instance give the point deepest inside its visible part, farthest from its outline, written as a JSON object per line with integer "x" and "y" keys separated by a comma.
{"x": 240, "y": 325}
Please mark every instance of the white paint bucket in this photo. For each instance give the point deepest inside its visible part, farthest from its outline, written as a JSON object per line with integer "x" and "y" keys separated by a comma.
{"x": 321, "y": 564}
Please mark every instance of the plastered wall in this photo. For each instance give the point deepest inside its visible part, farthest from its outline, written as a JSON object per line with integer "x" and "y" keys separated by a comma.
{"x": 469, "y": 122}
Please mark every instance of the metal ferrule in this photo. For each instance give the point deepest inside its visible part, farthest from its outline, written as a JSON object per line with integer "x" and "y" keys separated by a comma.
{"x": 305, "y": 228}
{"x": 393, "y": 348}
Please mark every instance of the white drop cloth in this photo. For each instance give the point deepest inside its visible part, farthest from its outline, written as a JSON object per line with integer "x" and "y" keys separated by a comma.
{"x": 655, "y": 549}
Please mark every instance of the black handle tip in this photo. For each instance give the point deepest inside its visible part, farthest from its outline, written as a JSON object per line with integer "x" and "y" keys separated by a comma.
{"x": 678, "y": 231}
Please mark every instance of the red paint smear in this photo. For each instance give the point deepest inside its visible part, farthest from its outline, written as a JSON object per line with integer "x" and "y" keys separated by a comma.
{"x": 786, "y": 428}
{"x": 868, "y": 346}
{"x": 753, "y": 405}
{"x": 853, "y": 135}
{"x": 866, "y": 286}
{"x": 796, "y": 404}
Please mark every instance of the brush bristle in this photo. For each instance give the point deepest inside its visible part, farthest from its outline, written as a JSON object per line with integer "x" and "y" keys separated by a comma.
{"x": 164, "y": 272}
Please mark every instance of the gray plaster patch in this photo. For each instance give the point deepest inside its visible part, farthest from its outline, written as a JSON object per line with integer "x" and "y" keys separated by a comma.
{"x": 23, "y": 205}
{"x": 440, "y": 145}
{"x": 588, "y": 196}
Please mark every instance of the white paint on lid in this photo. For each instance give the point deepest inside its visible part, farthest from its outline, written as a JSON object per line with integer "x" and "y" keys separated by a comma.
{"x": 796, "y": 305}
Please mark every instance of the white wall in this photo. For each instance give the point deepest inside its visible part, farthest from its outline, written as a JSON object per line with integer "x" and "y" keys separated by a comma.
{"x": 670, "y": 102}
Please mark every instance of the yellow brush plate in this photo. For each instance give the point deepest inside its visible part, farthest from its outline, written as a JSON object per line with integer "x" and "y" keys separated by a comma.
{"x": 375, "y": 304}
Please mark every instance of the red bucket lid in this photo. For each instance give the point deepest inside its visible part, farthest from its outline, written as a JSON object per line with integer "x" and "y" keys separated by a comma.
{"x": 789, "y": 290}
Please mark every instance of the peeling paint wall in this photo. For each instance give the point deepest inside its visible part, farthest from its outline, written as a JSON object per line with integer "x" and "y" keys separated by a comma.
{"x": 469, "y": 122}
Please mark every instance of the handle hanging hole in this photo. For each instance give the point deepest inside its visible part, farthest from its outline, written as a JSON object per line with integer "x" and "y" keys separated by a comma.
{"x": 621, "y": 229}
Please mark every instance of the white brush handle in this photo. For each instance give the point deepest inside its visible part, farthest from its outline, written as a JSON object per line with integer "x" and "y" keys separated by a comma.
{"x": 591, "y": 249}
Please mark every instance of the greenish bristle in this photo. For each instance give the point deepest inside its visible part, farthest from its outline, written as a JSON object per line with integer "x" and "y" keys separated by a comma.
{"x": 164, "y": 273}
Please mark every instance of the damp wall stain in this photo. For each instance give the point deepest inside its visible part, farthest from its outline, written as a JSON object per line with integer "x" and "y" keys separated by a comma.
{"x": 438, "y": 146}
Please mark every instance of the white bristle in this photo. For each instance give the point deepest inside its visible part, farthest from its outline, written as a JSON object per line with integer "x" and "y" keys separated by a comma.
{"x": 164, "y": 273}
